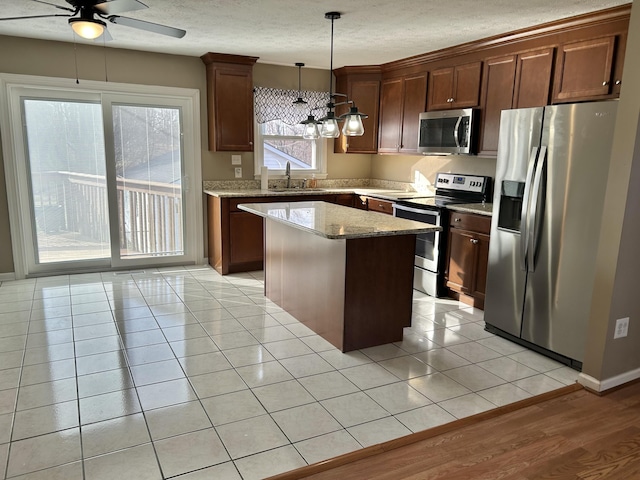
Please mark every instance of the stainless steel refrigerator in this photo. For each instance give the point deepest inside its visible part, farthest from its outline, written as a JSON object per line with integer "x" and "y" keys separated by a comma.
{"x": 551, "y": 175}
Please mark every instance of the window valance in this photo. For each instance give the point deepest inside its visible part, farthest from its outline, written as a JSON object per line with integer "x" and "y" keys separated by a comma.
{"x": 277, "y": 104}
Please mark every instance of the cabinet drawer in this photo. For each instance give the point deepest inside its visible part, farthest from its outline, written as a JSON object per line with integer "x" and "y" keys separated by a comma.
{"x": 382, "y": 206}
{"x": 470, "y": 221}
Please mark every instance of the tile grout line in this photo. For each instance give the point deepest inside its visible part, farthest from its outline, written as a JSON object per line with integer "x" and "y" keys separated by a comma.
{"x": 15, "y": 404}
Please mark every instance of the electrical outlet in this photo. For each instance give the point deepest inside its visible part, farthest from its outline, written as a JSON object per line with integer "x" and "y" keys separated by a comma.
{"x": 238, "y": 171}
{"x": 622, "y": 328}
{"x": 236, "y": 160}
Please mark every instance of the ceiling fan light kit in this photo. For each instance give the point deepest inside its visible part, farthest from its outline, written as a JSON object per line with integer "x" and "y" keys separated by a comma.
{"x": 88, "y": 17}
{"x": 87, "y": 28}
{"x": 328, "y": 125}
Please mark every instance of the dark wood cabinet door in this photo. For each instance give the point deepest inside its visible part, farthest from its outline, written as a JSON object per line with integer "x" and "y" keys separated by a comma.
{"x": 584, "y": 69}
{"x": 481, "y": 267}
{"x": 233, "y": 107}
{"x": 441, "y": 88}
{"x": 461, "y": 262}
{"x": 466, "y": 88}
{"x": 391, "y": 95}
{"x": 366, "y": 96}
{"x": 533, "y": 78}
{"x": 499, "y": 78}
{"x": 245, "y": 238}
{"x": 415, "y": 100}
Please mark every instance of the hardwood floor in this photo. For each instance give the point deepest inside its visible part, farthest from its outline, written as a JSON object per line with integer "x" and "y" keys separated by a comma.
{"x": 579, "y": 435}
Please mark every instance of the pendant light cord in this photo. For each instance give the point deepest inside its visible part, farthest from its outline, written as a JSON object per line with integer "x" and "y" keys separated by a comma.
{"x": 331, "y": 63}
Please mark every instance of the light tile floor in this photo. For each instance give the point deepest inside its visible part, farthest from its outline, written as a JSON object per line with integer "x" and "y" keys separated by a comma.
{"x": 185, "y": 373}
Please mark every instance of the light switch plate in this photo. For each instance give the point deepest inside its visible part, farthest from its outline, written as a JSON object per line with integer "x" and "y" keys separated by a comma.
{"x": 238, "y": 171}
{"x": 236, "y": 160}
{"x": 622, "y": 328}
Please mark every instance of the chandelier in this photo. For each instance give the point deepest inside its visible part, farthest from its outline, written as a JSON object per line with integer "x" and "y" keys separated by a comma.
{"x": 327, "y": 126}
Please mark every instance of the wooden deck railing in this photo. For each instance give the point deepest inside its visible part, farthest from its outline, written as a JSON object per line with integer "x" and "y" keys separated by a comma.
{"x": 150, "y": 219}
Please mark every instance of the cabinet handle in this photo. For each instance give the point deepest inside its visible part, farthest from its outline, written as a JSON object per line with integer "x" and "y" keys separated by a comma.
{"x": 474, "y": 241}
{"x": 618, "y": 82}
{"x": 457, "y": 219}
{"x": 250, "y": 143}
{"x": 604, "y": 84}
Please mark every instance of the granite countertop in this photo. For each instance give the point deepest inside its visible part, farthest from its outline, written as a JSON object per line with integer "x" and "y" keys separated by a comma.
{"x": 477, "y": 208}
{"x": 336, "y": 221}
{"x": 382, "y": 193}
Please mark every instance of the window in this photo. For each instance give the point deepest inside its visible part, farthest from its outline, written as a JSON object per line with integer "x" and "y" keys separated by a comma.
{"x": 278, "y": 133}
{"x": 278, "y": 143}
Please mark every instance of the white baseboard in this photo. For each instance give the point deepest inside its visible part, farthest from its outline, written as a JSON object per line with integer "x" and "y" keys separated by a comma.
{"x": 608, "y": 383}
{"x": 6, "y": 277}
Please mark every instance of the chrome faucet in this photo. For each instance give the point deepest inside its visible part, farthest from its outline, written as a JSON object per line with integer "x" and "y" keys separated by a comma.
{"x": 287, "y": 172}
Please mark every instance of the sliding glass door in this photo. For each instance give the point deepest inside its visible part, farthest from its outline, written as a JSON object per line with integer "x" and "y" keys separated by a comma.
{"x": 66, "y": 180}
{"x": 148, "y": 167}
{"x": 103, "y": 179}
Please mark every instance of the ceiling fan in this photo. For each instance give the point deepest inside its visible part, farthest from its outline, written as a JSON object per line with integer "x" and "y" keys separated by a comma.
{"x": 88, "y": 17}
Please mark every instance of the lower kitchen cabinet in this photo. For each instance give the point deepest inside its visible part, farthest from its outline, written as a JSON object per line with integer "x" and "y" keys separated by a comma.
{"x": 236, "y": 241}
{"x": 467, "y": 257}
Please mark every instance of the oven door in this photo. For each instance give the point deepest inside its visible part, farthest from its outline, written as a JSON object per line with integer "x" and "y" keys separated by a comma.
{"x": 427, "y": 244}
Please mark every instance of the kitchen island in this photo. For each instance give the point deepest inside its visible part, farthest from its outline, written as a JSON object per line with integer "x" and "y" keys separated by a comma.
{"x": 345, "y": 273}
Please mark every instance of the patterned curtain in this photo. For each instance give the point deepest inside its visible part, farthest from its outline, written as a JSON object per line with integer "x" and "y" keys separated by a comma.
{"x": 277, "y": 104}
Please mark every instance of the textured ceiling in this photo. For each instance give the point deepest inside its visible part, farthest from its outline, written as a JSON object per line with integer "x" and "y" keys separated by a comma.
{"x": 288, "y": 31}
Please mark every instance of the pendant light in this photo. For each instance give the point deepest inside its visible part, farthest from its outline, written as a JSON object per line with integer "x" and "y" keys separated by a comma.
{"x": 353, "y": 126}
{"x": 311, "y": 131}
{"x": 329, "y": 127}
{"x": 329, "y": 124}
{"x": 299, "y": 103}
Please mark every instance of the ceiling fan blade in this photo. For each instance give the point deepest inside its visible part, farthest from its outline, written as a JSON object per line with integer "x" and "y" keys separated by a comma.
{"x": 148, "y": 26}
{"x": 119, "y": 6}
{"x": 36, "y": 16}
{"x": 54, "y": 5}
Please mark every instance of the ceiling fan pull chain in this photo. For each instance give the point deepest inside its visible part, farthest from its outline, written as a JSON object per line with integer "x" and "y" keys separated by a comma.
{"x": 75, "y": 57}
{"x": 104, "y": 49}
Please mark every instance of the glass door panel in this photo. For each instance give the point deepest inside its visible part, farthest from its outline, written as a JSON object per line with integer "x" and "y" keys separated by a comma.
{"x": 66, "y": 176}
{"x": 147, "y": 150}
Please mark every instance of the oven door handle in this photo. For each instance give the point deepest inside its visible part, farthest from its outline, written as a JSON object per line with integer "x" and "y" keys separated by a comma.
{"x": 421, "y": 211}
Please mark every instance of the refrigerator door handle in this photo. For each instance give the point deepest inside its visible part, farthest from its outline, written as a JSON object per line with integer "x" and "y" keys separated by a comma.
{"x": 524, "y": 216}
{"x": 534, "y": 233}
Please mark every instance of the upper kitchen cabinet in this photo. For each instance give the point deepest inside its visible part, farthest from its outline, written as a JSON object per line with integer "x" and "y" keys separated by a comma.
{"x": 513, "y": 81}
{"x": 589, "y": 69}
{"x": 402, "y": 100}
{"x": 230, "y": 102}
{"x": 455, "y": 87}
{"x": 362, "y": 86}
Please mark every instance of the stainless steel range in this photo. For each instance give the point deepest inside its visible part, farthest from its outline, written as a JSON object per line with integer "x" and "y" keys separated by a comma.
{"x": 430, "y": 247}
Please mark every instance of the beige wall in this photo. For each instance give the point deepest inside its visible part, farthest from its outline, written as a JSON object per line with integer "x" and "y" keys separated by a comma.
{"x": 618, "y": 263}
{"x": 58, "y": 59}
{"x": 419, "y": 168}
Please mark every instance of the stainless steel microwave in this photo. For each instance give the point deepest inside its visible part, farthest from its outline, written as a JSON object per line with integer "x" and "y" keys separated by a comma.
{"x": 448, "y": 131}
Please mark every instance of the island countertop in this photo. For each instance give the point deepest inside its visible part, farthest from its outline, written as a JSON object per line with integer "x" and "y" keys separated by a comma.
{"x": 336, "y": 221}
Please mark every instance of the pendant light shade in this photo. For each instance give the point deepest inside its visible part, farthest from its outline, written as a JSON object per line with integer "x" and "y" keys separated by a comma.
{"x": 311, "y": 131}
{"x": 329, "y": 126}
{"x": 353, "y": 126}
